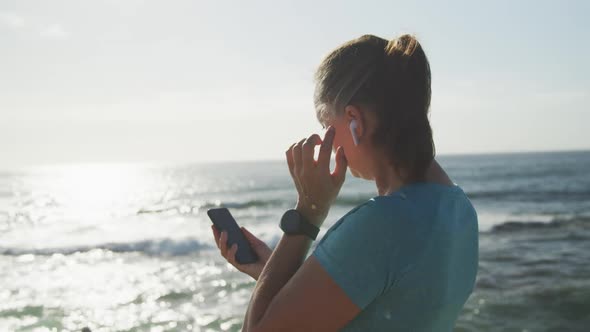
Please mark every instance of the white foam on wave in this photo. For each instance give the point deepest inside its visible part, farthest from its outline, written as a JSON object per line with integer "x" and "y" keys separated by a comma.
{"x": 174, "y": 236}
{"x": 152, "y": 235}
{"x": 488, "y": 219}
{"x": 157, "y": 247}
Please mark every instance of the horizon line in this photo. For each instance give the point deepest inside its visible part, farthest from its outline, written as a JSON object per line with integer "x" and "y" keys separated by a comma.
{"x": 229, "y": 161}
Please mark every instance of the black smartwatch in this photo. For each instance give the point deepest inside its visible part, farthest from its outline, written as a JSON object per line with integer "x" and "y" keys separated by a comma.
{"x": 294, "y": 222}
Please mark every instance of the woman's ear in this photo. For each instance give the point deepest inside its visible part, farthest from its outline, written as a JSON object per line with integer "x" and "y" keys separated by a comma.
{"x": 352, "y": 112}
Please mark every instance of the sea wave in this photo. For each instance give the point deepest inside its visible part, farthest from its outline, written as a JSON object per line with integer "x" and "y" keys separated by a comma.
{"x": 237, "y": 205}
{"x": 243, "y": 205}
{"x": 574, "y": 222}
{"x": 538, "y": 196}
{"x": 158, "y": 247}
{"x": 182, "y": 208}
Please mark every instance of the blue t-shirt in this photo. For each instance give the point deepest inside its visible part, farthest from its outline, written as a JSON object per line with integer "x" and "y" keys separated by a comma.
{"x": 408, "y": 259}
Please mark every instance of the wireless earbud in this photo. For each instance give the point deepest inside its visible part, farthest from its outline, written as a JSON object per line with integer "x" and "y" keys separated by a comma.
{"x": 355, "y": 138}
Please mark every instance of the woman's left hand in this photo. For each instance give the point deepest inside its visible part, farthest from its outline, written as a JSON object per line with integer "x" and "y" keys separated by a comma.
{"x": 316, "y": 186}
{"x": 260, "y": 248}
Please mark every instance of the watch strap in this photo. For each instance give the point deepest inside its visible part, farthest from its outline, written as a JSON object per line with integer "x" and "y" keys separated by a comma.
{"x": 310, "y": 229}
{"x": 304, "y": 226}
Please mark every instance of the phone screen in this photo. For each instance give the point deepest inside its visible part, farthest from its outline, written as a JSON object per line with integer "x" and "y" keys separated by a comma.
{"x": 224, "y": 221}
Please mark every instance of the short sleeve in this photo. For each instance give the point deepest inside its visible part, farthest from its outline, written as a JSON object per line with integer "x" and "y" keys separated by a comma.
{"x": 359, "y": 252}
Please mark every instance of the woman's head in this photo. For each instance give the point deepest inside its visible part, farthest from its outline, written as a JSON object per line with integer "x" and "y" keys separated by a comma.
{"x": 384, "y": 86}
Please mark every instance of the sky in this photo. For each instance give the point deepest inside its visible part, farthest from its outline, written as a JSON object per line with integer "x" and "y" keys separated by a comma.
{"x": 197, "y": 81}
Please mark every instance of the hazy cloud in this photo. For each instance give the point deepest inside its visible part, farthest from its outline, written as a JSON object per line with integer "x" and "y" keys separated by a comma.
{"x": 54, "y": 31}
{"x": 11, "y": 20}
{"x": 14, "y": 21}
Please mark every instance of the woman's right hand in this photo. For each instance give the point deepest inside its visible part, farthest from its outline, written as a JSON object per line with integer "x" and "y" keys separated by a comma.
{"x": 260, "y": 248}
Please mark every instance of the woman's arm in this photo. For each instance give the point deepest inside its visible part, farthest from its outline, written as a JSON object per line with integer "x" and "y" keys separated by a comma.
{"x": 317, "y": 189}
{"x": 286, "y": 259}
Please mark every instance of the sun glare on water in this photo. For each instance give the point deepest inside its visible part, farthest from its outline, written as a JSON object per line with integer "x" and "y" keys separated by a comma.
{"x": 93, "y": 191}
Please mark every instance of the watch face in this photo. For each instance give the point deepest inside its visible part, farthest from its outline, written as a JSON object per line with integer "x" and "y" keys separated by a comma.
{"x": 290, "y": 221}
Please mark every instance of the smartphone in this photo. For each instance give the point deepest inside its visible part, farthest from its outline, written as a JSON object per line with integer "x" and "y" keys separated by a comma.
{"x": 224, "y": 221}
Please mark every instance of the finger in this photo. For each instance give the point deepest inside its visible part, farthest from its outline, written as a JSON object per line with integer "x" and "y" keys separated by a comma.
{"x": 290, "y": 160}
{"x": 223, "y": 244}
{"x": 297, "y": 158}
{"x": 326, "y": 149}
{"x": 291, "y": 163}
{"x": 249, "y": 236}
{"x": 252, "y": 238}
{"x": 215, "y": 235}
{"x": 308, "y": 151}
{"x": 231, "y": 255}
{"x": 341, "y": 165}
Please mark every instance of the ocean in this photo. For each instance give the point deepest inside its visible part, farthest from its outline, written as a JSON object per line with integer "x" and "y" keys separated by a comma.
{"x": 118, "y": 247}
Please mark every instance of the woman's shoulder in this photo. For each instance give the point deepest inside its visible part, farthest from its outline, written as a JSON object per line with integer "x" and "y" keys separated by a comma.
{"x": 425, "y": 194}
{"x": 378, "y": 211}
{"x": 416, "y": 201}
{"x": 403, "y": 207}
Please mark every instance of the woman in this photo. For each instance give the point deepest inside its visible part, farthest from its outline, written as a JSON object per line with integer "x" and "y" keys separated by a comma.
{"x": 405, "y": 260}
